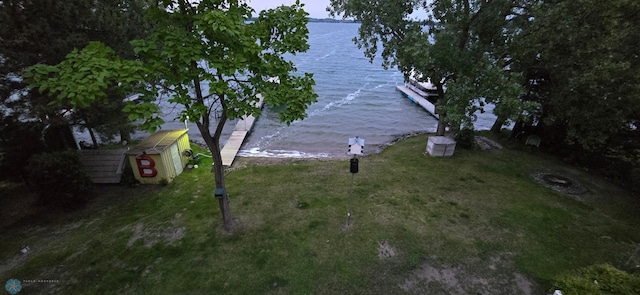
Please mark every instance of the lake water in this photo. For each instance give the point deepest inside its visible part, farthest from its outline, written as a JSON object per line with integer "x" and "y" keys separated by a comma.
{"x": 355, "y": 98}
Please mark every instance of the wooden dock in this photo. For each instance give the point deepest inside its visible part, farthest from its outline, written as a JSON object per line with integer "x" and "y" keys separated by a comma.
{"x": 418, "y": 99}
{"x": 231, "y": 148}
{"x": 240, "y": 132}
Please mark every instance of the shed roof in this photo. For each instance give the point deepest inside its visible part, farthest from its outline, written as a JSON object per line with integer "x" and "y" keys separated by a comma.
{"x": 157, "y": 142}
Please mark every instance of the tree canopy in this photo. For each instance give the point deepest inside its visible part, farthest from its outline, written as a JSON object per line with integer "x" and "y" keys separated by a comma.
{"x": 90, "y": 82}
{"x": 461, "y": 44}
{"x": 586, "y": 53}
{"x": 207, "y": 57}
{"x": 582, "y": 66}
{"x": 44, "y": 32}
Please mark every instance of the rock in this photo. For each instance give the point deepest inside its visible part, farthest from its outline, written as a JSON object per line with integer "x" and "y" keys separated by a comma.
{"x": 487, "y": 144}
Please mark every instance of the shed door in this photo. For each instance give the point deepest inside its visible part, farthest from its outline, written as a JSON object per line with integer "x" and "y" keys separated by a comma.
{"x": 175, "y": 155}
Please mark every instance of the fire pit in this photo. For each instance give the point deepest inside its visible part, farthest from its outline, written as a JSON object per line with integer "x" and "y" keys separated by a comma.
{"x": 553, "y": 179}
{"x": 560, "y": 183}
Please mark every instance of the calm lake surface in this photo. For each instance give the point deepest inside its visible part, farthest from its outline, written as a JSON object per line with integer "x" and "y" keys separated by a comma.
{"x": 356, "y": 98}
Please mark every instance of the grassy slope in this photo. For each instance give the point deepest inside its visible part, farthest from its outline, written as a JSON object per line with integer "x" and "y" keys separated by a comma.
{"x": 468, "y": 211}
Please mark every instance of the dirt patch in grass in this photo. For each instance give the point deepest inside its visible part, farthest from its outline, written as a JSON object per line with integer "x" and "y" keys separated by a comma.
{"x": 151, "y": 235}
{"x": 385, "y": 250}
{"x": 497, "y": 275}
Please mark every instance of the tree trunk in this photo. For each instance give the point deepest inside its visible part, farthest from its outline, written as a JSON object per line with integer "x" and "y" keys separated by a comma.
{"x": 497, "y": 125}
{"x": 213, "y": 143}
{"x": 442, "y": 125}
{"x": 218, "y": 170}
{"x": 94, "y": 140}
{"x": 517, "y": 129}
{"x": 125, "y": 135}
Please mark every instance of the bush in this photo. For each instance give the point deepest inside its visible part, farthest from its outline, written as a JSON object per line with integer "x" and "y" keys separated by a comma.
{"x": 59, "y": 179}
{"x": 466, "y": 138}
{"x": 635, "y": 179}
{"x": 19, "y": 141}
{"x": 599, "y": 280}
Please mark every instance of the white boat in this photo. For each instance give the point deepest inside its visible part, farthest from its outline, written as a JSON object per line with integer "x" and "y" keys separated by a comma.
{"x": 423, "y": 94}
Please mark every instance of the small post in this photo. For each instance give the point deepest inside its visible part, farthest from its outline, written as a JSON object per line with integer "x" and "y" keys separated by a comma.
{"x": 353, "y": 169}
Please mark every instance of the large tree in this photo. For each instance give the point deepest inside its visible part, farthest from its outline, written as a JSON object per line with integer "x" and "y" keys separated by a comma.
{"x": 85, "y": 82}
{"x": 462, "y": 44}
{"x": 581, "y": 60}
{"x": 205, "y": 57}
{"x": 36, "y": 31}
{"x": 586, "y": 52}
{"x": 208, "y": 57}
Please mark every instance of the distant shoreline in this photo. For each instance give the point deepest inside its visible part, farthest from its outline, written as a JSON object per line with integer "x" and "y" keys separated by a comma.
{"x": 332, "y": 20}
{"x": 324, "y": 20}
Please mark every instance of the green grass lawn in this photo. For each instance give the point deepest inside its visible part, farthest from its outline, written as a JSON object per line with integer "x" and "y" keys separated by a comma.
{"x": 475, "y": 223}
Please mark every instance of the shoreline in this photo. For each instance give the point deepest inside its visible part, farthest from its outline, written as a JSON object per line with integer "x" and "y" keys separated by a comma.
{"x": 244, "y": 161}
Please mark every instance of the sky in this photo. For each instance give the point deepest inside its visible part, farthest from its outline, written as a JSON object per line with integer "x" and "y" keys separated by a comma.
{"x": 315, "y": 8}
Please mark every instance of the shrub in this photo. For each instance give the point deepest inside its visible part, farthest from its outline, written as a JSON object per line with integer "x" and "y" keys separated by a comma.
{"x": 466, "y": 138}
{"x": 19, "y": 141}
{"x": 59, "y": 179}
{"x": 599, "y": 279}
{"x": 635, "y": 178}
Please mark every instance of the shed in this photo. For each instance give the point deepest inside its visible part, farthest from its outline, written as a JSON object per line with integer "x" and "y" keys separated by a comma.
{"x": 160, "y": 157}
